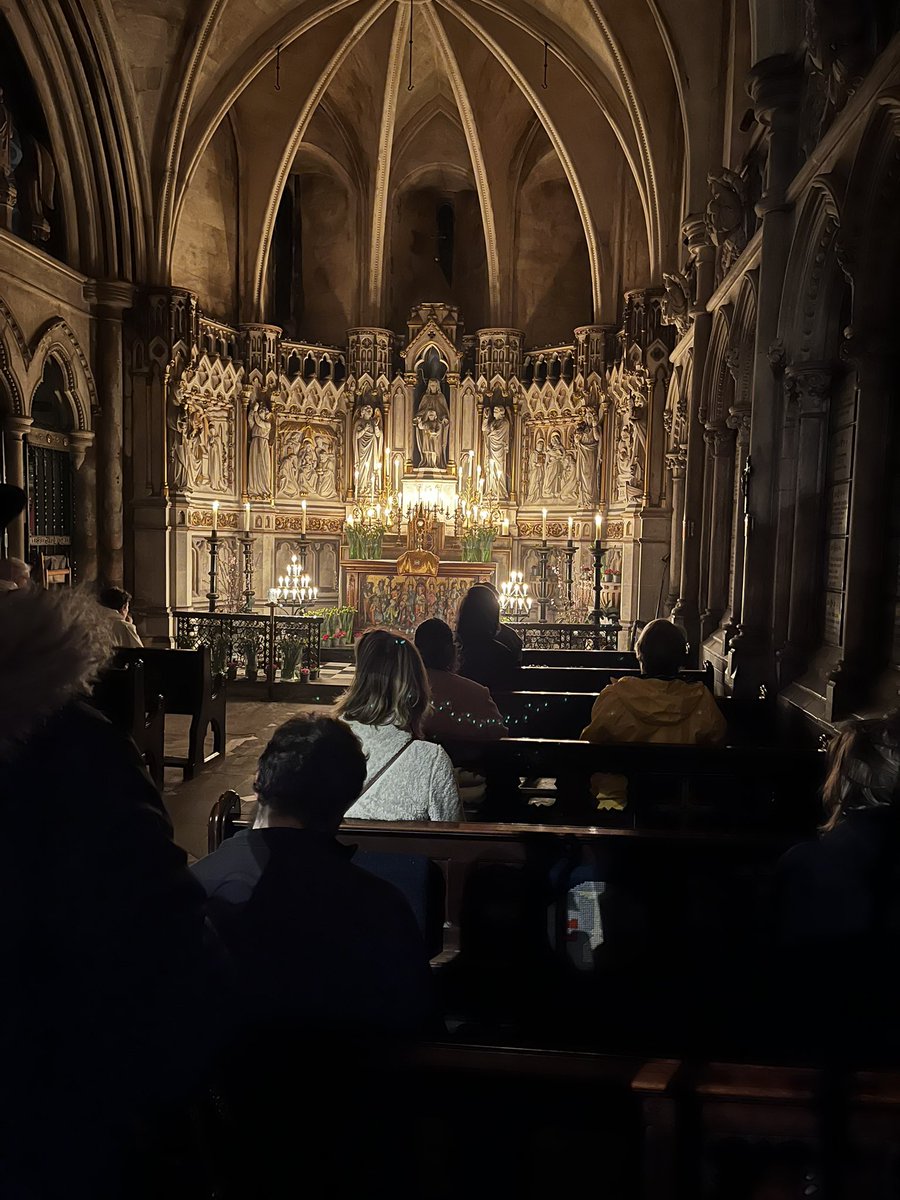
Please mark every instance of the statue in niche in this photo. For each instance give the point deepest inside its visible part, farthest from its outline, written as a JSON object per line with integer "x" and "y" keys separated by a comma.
{"x": 556, "y": 465}
{"x": 495, "y": 433}
{"x": 432, "y": 424}
{"x": 179, "y": 452}
{"x": 259, "y": 475}
{"x": 629, "y": 461}
{"x": 587, "y": 453}
{"x": 7, "y": 150}
{"x": 725, "y": 216}
{"x": 215, "y": 458}
{"x": 536, "y": 470}
{"x": 39, "y": 171}
{"x": 368, "y": 446}
{"x": 325, "y": 467}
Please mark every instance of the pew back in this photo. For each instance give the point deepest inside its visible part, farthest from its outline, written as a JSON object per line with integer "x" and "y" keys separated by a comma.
{"x": 597, "y": 659}
{"x": 591, "y": 679}
{"x": 121, "y": 694}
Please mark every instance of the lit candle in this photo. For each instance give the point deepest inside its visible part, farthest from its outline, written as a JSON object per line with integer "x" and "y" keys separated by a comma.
{"x": 543, "y": 524}
{"x": 355, "y": 480}
{"x": 247, "y": 517}
{"x": 506, "y": 526}
{"x": 570, "y": 530}
{"x": 598, "y": 523}
{"x": 303, "y": 518}
{"x": 459, "y": 479}
{"x": 215, "y": 515}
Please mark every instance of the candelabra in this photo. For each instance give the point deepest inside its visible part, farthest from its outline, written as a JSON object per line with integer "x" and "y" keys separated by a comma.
{"x": 294, "y": 590}
{"x": 212, "y": 595}
{"x": 247, "y": 551}
{"x": 544, "y": 584}
{"x": 515, "y": 603}
{"x": 597, "y": 611}
{"x": 569, "y": 553}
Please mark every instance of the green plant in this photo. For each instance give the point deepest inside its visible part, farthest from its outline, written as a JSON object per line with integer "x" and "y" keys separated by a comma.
{"x": 291, "y": 652}
{"x": 218, "y": 653}
{"x": 477, "y": 544}
{"x": 365, "y": 543}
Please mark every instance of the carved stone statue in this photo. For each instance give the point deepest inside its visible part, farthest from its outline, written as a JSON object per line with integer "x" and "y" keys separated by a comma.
{"x": 676, "y": 304}
{"x": 325, "y": 467}
{"x": 368, "y": 445}
{"x": 630, "y": 460}
{"x": 587, "y": 448}
{"x": 259, "y": 475}
{"x": 556, "y": 465}
{"x": 8, "y": 164}
{"x": 432, "y": 425}
{"x": 216, "y": 458}
{"x": 725, "y": 216}
{"x": 179, "y": 452}
{"x": 495, "y": 432}
{"x": 536, "y": 471}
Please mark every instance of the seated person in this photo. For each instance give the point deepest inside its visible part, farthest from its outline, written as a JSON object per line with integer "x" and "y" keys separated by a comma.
{"x": 15, "y": 573}
{"x": 461, "y": 710}
{"x": 482, "y": 656}
{"x": 117, "y": 604}
{"x": 655, "y": 707}
{"x": 317, "y": 942}
{"x": 408, "y": 778}
{"x": 506, "y": 635}
{"x": 839, "y": 900}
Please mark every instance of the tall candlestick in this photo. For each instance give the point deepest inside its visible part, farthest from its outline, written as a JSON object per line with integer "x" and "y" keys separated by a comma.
{"x": 543, "y": 524}
{"x": 215, "y": 507}
{"x": 598, "y": 526}
{"x": 303, "y": 519}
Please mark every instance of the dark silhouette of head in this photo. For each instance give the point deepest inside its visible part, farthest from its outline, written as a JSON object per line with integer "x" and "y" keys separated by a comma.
{"x": 478, "y": 616}
{"x": 115, "y": 598}
{"x": 312, "y": 771}
{"x": 434, "y": 641}
{"x": 661, "y": 648}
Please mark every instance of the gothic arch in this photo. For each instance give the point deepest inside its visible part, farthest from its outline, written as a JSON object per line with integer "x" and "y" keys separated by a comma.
{"x": 814, "y": 285}
{"x": 58, "y": 341}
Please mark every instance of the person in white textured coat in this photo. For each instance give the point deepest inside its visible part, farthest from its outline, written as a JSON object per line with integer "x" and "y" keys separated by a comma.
{"x": 407, "y": 779}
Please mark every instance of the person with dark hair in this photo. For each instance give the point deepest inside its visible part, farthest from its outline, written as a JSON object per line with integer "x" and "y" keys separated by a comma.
{"x": 839, "y": 897}
{"x": 482, "y": 656}
{"x": 461, "y": 710}
{"x": 655, "y": 707}
{"x": 408, "y": 779}
{"x": 117, "y": 603}
{"x": 317, "y": 942}
{"x": 505, "y": 635}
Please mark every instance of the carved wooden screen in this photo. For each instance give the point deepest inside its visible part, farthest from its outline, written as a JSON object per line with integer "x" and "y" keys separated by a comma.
{"x": 50, "y": 512}
{"x": 838, "y": 483}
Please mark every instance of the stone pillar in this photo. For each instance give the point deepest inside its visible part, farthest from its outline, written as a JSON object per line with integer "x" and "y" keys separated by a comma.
{"x": 775, "y": 86}
{"x": 109, "y": 299}
{"x": 738, "y": 420}
{"x": 499, "y": 353}
{"x": 370, "y": 352}
{"x": 84, "y": 483}
{"x": 14, "y": 431}
{"x": 811, "y": 386}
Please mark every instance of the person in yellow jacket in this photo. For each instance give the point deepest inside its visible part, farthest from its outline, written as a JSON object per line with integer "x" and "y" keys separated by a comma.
{"x": 655, "y": 706}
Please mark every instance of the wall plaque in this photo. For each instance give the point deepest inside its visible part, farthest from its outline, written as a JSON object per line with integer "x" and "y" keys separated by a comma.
{"x": 835, "y": 557}
{"x": 843, "y": 408}
{"x": 838, "y": 509}
{"x": 834, "y": 618}
{"x": 840, "y": 454}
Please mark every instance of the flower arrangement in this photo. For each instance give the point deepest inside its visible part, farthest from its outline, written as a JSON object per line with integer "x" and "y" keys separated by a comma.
{"x": 291, "y": 653}
{"x": 364, "y": 541}
{"x": 337, "y": 625}
{"x": 477, "y": 543}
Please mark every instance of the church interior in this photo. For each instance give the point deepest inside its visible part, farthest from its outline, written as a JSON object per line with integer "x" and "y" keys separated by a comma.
{"x": 318, "y": 317}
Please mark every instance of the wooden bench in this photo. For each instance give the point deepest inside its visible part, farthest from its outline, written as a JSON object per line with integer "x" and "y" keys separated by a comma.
{"x": 597, "y": 659}
{"x": 121, "y": 694}
{"x": 185, "y": 680}
{"x": 769, "y": 786}
{"x": 590, "y": 679}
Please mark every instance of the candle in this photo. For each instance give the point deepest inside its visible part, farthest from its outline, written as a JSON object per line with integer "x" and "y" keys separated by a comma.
{"x": 459, "y": 479}
{"x": 570, "y": 529}
{"x": 506, "y": 526}
{"x": 215, "y": 515}
{"x": 355, "y": 480}
{"x": 598, "y": 523}
{"x": 303, "y": 519}
{"x": 247, "y": 517}
{"x": 543, "y": 524}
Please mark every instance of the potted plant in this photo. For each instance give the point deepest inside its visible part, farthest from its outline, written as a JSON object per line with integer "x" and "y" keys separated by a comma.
{"x": 232, "y": 672}
{"x": 291, "y": 653}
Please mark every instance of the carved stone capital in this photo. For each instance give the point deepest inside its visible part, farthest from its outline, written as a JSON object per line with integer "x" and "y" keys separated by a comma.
{"x": 808, "y": 385}
{"x": 79, "y": 441}
{"x": 676, "y": 462}
{"x": 775, "y": 86}
{"x": 776, "y": 356}
{"x": 110, "y": 297}
{"x": 739, "y": 419}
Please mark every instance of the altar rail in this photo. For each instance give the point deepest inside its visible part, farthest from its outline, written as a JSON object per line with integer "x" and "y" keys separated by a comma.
{"x": 567, "y": 637}
{"x": 247, "y": 645}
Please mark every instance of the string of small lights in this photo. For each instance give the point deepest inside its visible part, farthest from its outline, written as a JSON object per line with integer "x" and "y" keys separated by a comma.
{"x": 532, "y": 710}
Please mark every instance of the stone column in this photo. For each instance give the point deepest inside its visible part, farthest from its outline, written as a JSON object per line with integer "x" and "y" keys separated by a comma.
{"x": 811, "y": 385}
{"x": 110, "y": 298}
{"x": 775, "y": 86}
{"x": 14, "y": 431}
{"x": 84, "y": 483}
{"x": 738, "y": 420}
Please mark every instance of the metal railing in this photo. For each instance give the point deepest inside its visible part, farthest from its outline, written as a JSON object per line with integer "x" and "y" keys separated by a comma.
{"x": 551, "y": 636}
{"x": 250, "y": 645}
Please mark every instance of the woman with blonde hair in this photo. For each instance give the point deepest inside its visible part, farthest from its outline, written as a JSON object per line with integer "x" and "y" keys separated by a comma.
{"x": 407, "y": 779}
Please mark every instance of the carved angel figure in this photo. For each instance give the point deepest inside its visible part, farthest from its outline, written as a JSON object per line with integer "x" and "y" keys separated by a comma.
{"x": 325, "y": 467}
{"x": 676, "y": 304}
{"x": 587, "y": 448}
{"x": 216, "y": 458}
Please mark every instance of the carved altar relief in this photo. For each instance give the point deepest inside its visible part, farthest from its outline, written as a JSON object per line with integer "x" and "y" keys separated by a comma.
{"x": 202, "y": 428}
{"x": 307, "y": 460}
{"x": 550, "y": 462}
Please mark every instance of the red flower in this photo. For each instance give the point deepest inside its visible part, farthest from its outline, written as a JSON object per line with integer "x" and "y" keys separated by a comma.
{"x": 340, "y": 633}
{"x": 304, "y": 670}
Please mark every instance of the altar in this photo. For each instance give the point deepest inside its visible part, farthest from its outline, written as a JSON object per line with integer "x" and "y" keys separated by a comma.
{"x": 382, "y": 596}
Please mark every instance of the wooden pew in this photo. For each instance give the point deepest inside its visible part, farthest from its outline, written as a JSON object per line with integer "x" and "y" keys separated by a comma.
{"x": 122, "y": 696}
{"x": 590, "y": 679}
{"x": 185, "y": 680}
{"x": 598, "y": 659}
{"x": 768, "y": 787}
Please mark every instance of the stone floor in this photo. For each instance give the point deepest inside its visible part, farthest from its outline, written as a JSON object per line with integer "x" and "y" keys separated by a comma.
{"x": 249, "y": 726}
